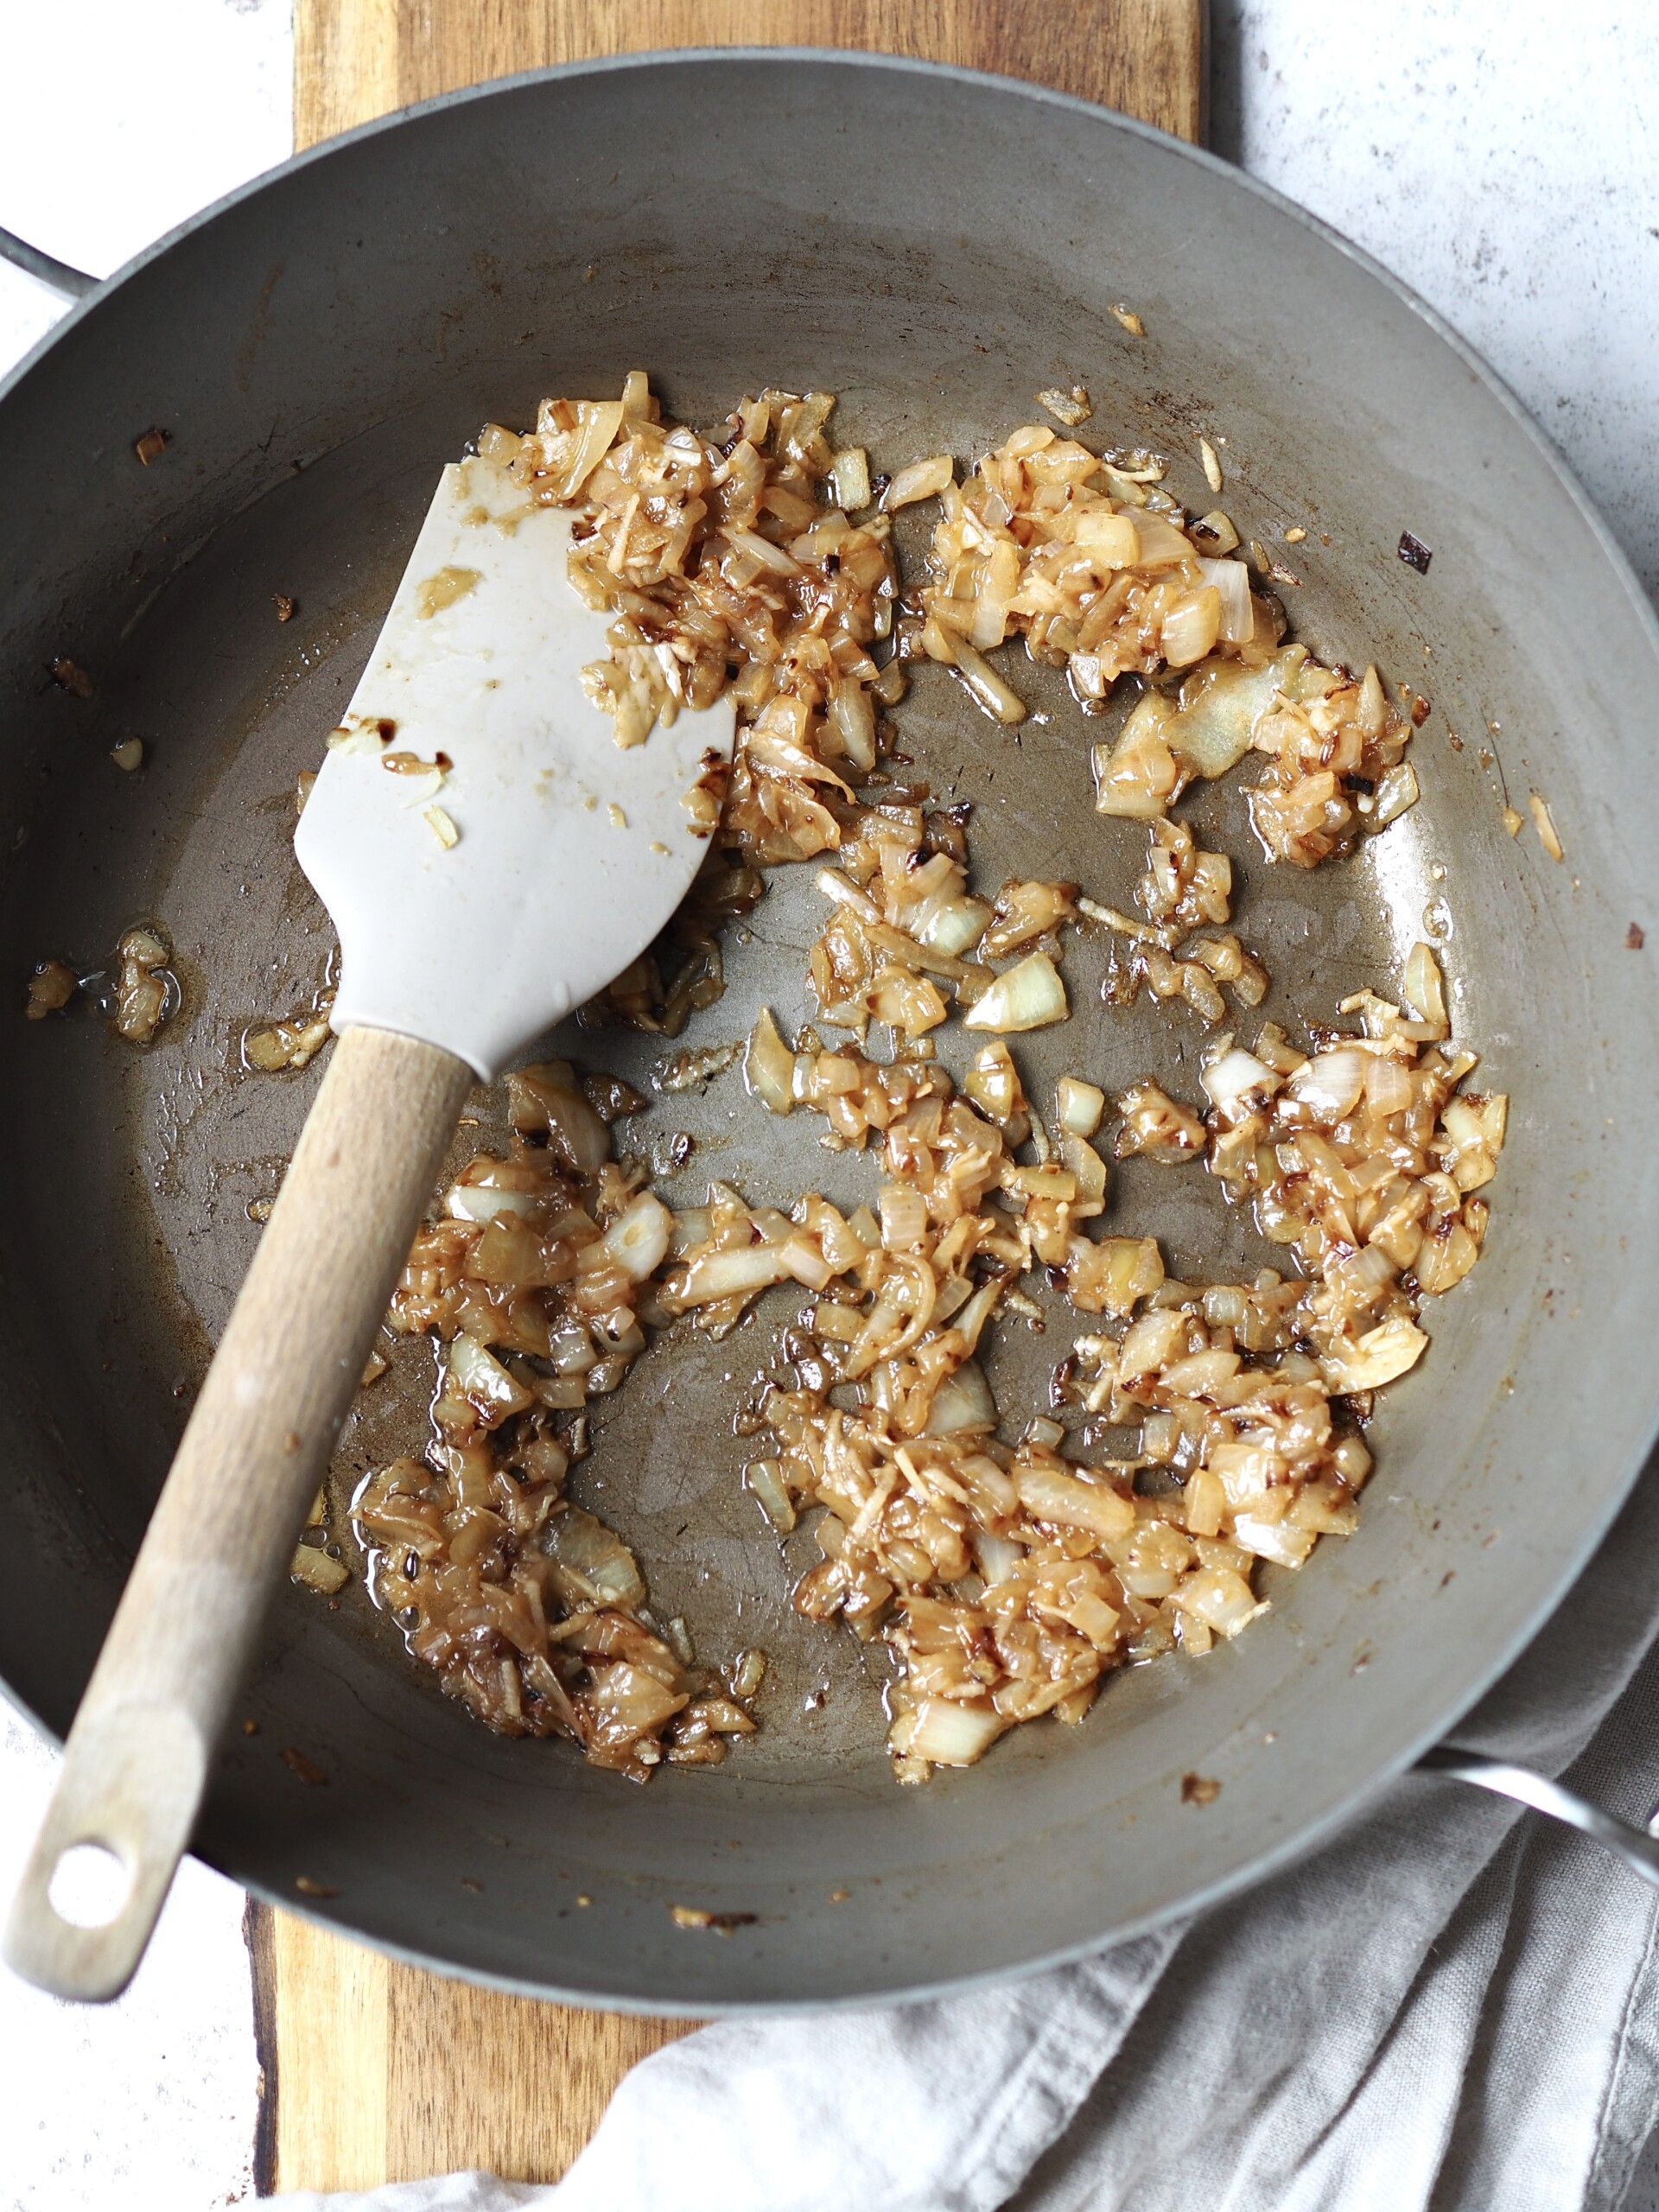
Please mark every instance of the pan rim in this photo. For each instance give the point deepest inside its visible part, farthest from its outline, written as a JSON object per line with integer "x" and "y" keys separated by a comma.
{"x": 1570, "y": 1563}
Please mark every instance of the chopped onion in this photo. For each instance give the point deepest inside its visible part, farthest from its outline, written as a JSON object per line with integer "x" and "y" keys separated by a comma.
{"x": 1002, "y": 704}
{"x": 1222, "y": 1600}
{"x": 545, "y": 1098}
{"x": 1220, "y": 707}
{"x": 762, "y": 549}
{"x": 1397, "y": 791}
{"x": 1328, "y": 1086}
{"x": 1110, "y": 541}
{"x": 318, "y": 1570}
{"x": 1028, "y": 995}
{"x": 963, "y": 1400}
{"x": 481, "y": 1202}
{"x": 850, "y": 474}
{"x": 1424, "y": 990}
{"x": 998, "y": 1557}
{"x": 1085, "y": 1164}
{"x": 1236, "y": 1081}
{"x": 485, "y": 1384}
{"x": 1379, "y": 1356}
{"x": 1279, "y": 1541}
{"x": 951, "y": 925}
{"x": 1191, "y": 626}
{"x": 764, "y": 1479}
{"x": 769, "y": 1067}
{"x": 952, "y": 1733}
{"x": 593, "y": 1560}
{"x": 1078, "y": 1106}
{"x": 1231, "y": 579}
{"x": 1162, "y": 545}
{"x": 923, "y": 479}
{"x": 629, "y": 1700}
{"x": 732, "y": 1275}
{"x": 1070, "y": 1503}
{"x": 1548, "y": 835}
{"x": 638, "y": 1241}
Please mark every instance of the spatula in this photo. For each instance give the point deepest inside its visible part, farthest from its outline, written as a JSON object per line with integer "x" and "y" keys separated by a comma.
{"x": 490, "y": 858}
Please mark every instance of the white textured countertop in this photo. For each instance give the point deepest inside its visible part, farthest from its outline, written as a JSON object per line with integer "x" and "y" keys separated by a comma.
{"x": 1503, "y": 159}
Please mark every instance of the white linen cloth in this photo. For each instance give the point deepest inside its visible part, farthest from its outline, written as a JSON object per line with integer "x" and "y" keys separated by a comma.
{"x": 1453, "y": 2007}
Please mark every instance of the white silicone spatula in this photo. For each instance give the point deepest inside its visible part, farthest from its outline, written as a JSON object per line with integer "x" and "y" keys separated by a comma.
{"x": 473, "y": 912}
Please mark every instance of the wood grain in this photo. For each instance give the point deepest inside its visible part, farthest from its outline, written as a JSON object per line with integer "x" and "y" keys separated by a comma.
{"x": 355, "y": 58}
{"x": 374, "y": 2071}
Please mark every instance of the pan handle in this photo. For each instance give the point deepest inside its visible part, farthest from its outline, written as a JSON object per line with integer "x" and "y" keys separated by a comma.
{"x": 1637, "y": 1847}
{"x": 57, "y": 276}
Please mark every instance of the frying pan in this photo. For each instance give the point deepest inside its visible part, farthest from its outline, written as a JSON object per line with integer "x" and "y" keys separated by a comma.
{"x": 936, "y": 247}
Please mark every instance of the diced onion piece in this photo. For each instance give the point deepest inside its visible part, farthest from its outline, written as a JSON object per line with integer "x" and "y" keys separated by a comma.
{"x": 1110, "y": 541}
{"x": 998, "y": 1556}
{"x": 1379, "y": 1356}
{"x": 1279, "y": 1541}
{"x": 1548, "y": 837}
{"x": 732, "y": 1275}
{"x": 1236, "y": 1081}
{"x": 1070, "y": 1503}
{"x": 1078, "y": 1106}
{"x": 951, "y": 925}
{"x": 1028, "y": 995}
{"x": 1216, "y": 528}
{"x": 1071, "y": 407}
{"x": 594, "y": 1559}
{"x": 850, "y": 473}
{"x": 769, "y": 1067}
{"x": 481, "y": 1202}
{"x": 1232, "y": 580}
{"x": 1220, "y": 707}
{"x": 763, "y": 552}
{"x": 1328, "y": 1086}
{"x": 852, "y": 718}
{"x": 1002, "y": 704}
{"x": 318, "y": 1571}
{"x": 1424, "y": 990}
{"x": 1085, "y": 1164}
{"x": 922, "y": 480}
{"x": 545, "y": 1098}
{"x": 1139, "y": 777}
{"x": 1221, "y": 1599}
{"x": 629, "y": 1700}
{"x": 1113, "y": 1275}
{"x": 807, "y": 1264}
{"x": 903, "y": 1211}
{"x": 1396, "y": 791}
{"x": 992, "y": 1083}
{"x": 638, "y": 1240}
{"x": 485, "y": 1384}
{"x": 764, "y": 1479}
{"x": 1160, "y": 543}
{"x": 963, "y": 1400}
{"x": 950, "y": 1733}
{"x": 1191, "y": 626}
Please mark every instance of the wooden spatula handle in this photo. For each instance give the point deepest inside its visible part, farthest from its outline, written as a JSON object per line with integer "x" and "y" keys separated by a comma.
{"x": 136, "y": 1761}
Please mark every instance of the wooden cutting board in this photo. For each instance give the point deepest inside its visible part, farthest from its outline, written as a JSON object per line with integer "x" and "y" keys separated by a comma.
{"x": 375, "y": 2071}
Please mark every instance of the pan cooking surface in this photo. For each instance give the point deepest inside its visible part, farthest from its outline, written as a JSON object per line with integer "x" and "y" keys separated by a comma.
{"x": 128, "y": 1236}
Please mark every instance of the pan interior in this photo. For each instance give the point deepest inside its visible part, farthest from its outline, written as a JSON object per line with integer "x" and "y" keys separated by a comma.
{"x": 450, "y": 261}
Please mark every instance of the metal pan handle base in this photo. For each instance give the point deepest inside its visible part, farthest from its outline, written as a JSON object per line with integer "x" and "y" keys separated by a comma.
{"x": 1637, "y": 1847}
{"x": 57, "y": 276}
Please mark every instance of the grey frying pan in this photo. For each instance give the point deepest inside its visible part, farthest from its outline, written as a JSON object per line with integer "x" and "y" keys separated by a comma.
{"x": 936, "y": 247}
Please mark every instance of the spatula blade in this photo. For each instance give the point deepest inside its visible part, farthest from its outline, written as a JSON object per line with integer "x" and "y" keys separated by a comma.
{"x": 475, "y": 912}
